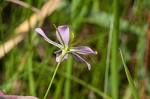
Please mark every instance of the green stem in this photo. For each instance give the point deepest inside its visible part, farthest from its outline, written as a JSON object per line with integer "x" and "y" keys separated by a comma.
{"x": 30, "y": 76}
{"x": 108, "y": 58}
{"x": 114, "y": 52}
{"x": 68, "y": 81}
{"x": 51, "y": 80}
{"x": 64, "y": 52}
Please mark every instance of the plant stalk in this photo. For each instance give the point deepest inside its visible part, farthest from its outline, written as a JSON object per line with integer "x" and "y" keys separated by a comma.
{"x": 67, "y": 89}
{"x": 64, "y": 52}
{"x": 114, "y": 52}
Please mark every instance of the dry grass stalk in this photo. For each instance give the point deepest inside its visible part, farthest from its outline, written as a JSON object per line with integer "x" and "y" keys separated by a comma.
{"x": 49, "y": 7}
{"x": 26, "y": 5}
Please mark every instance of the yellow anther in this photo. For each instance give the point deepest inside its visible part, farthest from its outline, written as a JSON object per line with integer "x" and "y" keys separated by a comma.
{"x": 72, "y": 36}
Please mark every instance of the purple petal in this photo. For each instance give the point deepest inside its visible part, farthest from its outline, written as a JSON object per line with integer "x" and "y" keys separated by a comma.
{"x": 56, "y": 52}
{"x": 79, "y": 58}
{"x": 82, "y": 50}
{"x": 41, "y": 32}
{"x": 64, "y": 32}
{"x": 58, "y": 58}
{"x": 2, "y": 93}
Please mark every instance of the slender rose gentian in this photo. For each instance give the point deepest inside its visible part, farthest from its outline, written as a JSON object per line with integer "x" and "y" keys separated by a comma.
{"x": 63, "y": 35}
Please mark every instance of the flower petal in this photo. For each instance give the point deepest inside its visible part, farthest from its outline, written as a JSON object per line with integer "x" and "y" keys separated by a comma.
{"x": 82, "y": 50}
{"x": 58, "y": 57}
{"x": 2, "y": 93}
{"x": 64, "y": 32}
{"x": 56, "y": 52}
{"x": 41, "y": 32}
{"x": 79, "y": 58}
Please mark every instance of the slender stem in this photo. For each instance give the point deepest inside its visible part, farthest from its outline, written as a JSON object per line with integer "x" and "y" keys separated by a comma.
{"x": 114, "y": 52}
{"x": 67, "y": 89}
{"x": 64, "y": 52}
{"x": 32, "y": 87}
{"x": 51, "y": 80}
{"x": 108, "y": 57}
{"x": 30, "y": 76}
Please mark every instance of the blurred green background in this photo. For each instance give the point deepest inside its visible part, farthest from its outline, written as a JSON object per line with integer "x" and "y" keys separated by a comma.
{"x": 27, "y": 68}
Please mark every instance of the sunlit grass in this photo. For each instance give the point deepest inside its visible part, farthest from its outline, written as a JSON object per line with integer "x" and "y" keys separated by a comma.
{"x": 28, "y": 66}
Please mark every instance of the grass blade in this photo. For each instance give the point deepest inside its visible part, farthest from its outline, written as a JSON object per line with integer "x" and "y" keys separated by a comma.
{"x": 133, "y": 88}
{"x": 114, "y": 52}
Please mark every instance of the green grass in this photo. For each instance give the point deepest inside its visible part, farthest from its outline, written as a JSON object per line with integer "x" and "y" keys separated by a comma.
{"x": 130, "y": 80}
{"x": 28, "y": 68}
{"x": 114, "y": 51}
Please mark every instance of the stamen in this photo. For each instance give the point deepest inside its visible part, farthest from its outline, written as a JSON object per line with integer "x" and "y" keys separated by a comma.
{"x": 71, "y": 39}
{"x": 75, "y": 43}
{"x": 72, "y": 36}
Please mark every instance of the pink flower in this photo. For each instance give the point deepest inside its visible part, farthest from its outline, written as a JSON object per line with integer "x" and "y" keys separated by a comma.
{"x": 63, "y": 35}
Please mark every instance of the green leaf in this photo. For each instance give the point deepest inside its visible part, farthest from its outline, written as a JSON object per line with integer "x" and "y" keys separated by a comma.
{"x": 133, "y": 88}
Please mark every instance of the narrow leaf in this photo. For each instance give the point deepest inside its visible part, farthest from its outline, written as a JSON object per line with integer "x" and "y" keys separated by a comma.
{"x": 131, "y": 83}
